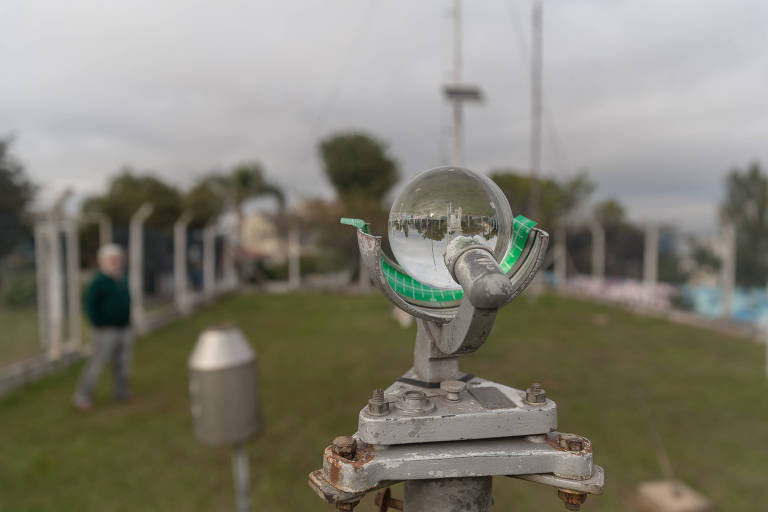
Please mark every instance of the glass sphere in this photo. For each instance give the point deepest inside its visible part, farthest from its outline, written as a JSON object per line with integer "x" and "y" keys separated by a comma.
{"x": 435, "y": 207}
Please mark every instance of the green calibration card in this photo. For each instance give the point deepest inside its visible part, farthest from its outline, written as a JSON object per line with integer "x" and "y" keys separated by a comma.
{"x": 408, "y": 287}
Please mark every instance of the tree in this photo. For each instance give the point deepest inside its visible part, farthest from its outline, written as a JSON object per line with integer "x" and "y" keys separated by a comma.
{"x": 746, "y": 206}
{"x": 16, "y": 194}
{"x": 246, "y": 181}
{"x": 609, "y": 212}
{"x": 357, "y": 166}
{"x": 704, "y": 257}
{"x": 206, "y": 200}
{"x": 127, "y": 191}
{"x": 556, "y": 199}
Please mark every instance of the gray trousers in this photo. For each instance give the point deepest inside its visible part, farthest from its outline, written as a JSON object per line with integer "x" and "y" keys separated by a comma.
{"x": 109, "y": 344}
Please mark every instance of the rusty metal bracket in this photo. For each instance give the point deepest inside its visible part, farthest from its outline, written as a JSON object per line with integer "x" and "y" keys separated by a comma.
{"x": 592, "y": 485}
{"x": 376, "y": 467}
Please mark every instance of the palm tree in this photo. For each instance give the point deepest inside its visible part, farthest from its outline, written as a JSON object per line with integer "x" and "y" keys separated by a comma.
{"x": 246, "y": 181}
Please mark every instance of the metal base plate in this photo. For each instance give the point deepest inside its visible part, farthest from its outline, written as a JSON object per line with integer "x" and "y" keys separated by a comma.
{"x": 373, "y": 466}
{"x": 486, "y": 410}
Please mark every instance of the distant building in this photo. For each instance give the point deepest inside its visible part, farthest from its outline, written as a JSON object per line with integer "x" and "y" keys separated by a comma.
{"x": 259, "y": 237}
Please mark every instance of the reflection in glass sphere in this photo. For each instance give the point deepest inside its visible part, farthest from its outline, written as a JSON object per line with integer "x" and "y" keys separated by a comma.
{"x": 435, "y": 207}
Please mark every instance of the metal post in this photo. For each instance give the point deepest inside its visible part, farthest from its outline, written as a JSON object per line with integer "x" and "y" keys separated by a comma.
{"x": 230, "y": 276}
{"x": 560, "y": 255}
{"x": 42, "y": 275}
{"x": 449, "y": 495}
{"x": 73, "y": 284}
{"x": 241, "y": 473}
{"x": 55, "y": 275}
{"x": 294, "y": 259}
{"x": 180, "y": 288}
{"x": 536, "y": 102}
{"x": 136, "y": 264}
{"x": 651, "y": 260}
{"x": 458, "y": 118}
{"x": 55, "y": 290}
{"x": 728, "y": 275}
{"x": 598, "y": 252}
{"x": 209, "y": 260}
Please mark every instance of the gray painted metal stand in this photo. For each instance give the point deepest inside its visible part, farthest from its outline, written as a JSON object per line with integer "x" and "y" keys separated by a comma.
{"x": 449, "y": 495}
{"x": 242, "y": 475}
{"x": 136, "y": 265}
{"x": 446, "y": 433}
{"x": 223, "y": 389}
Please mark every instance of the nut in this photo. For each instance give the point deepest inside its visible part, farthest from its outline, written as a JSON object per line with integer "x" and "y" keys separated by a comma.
{"x": 377, "y": 404}
{"x": 453, "y": 389}
{"x": 571, "y": 442}
{"x": 535, "y": 395}
{"x": 344, "y": 446}
{"x": 414, "y": 400}
{"x": 571, "y": 499}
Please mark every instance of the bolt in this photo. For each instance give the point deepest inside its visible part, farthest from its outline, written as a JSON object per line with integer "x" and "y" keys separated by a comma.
{"x": 377, "y": 404}
{"x": 535, "y": 395}
{"x": 344, "y": 446}
{"x": 414, "y": 400}
{"x": 571, "y": 442}
{"x": 571, "y": 499}
{"x": 453, "y": 389}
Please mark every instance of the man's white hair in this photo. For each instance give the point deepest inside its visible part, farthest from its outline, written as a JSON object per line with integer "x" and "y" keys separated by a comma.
{"x": 108, "y": 250}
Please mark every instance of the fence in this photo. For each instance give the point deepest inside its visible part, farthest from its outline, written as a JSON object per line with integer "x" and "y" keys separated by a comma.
{"x": 640, "y": 285}
{"x": 42, "y": 283}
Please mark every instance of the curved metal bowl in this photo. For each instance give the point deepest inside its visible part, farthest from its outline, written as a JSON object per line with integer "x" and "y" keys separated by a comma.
{"x": 520, "y": 264}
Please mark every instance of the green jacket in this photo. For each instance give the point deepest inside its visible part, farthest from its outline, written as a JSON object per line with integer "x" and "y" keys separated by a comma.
{"x": 108, "y": 302}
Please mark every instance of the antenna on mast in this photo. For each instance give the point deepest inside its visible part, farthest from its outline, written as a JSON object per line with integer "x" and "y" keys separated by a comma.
{"x": 459, "y": 92}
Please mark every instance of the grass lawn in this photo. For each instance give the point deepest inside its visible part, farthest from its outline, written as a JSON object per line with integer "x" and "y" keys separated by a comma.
{"x": 320, "y": 356}
{"x": 18, "y": 338}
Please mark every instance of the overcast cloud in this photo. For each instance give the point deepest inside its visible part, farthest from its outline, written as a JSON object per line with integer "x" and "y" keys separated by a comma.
{"x": 657, "y": 99}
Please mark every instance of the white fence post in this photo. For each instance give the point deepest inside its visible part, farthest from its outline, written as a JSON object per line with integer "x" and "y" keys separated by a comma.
{"x": 598, "y": 252}
{"x": 136, "y": 262}
{"x": 55, "y": 291}
{"x": 294, "y": 259}
{"x": 73, "y": 284}
{"x": 651, "y": 260}
{"x": 228, "y": 263}
{"x": 560, "y": 255}
{"x": 209, "y": 260}
{"x": 180, "y": 286}
{"x": 42, "y": 277}
{"x": 728, "y": 269}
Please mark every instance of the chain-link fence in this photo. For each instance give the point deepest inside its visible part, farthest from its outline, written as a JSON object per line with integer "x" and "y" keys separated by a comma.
{"x": 20, "y": 336}
{"x": 43, "y": 279}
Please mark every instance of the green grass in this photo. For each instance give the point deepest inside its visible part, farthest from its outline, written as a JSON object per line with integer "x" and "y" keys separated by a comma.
{"x": 19, "y": 337}
{"x": 320, "y": 355}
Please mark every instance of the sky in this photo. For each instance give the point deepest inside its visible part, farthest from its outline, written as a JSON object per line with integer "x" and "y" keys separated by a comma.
{"x": 657, "y": 100}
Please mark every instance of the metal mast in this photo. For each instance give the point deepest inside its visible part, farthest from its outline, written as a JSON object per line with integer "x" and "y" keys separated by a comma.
{"x": 458, "y": 121}
{"x": 458, "y": 92}
{"x": 536, "y": 101}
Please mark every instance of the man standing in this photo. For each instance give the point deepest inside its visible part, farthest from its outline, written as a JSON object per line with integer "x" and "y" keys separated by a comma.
{"x": 108, "y": 304}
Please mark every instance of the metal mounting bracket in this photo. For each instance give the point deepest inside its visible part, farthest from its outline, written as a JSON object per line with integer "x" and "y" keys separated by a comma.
{"x": 451, "y": 420}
